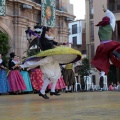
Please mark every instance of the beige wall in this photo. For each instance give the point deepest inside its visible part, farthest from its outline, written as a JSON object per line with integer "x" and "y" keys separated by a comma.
{"x": 70, "y": 7}
{"x": 117, "y": 16}
{"x": 98, "y": 15}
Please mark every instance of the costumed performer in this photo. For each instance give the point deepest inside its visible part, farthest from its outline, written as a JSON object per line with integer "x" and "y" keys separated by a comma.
{"x": 49, "y": 61}
{"x": 108, "y": 49}
{"x": 14, "y": 77}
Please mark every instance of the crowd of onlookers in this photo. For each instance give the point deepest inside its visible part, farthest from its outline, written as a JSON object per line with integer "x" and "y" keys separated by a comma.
{"x": 114, "y": 87}
{"x": 16, "y": 80}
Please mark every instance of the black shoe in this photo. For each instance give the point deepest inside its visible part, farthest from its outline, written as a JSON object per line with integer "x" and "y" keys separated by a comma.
{"x": 57, "y": 91}
{"x": 66, "y": 91}
{"x": 116, "y": 54}
{"x": 47, "y": 91}
{"x": 70, "y": 91}
{"x": 54, "y": 93}
{"x": 43, "y": 95}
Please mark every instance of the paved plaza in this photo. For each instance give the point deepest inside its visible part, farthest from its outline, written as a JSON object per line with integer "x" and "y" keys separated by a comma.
{"x": 69, "y": 106}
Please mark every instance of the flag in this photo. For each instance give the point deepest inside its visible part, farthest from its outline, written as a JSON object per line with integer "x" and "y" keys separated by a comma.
{"x": 48, "y": 13}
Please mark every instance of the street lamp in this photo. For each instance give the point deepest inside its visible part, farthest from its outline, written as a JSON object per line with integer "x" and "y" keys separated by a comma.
{"x": 36, "y": 32}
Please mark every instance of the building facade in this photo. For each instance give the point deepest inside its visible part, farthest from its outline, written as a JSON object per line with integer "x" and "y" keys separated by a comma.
{"x": 21, "y": 14}
{"x": 77, "y": 36}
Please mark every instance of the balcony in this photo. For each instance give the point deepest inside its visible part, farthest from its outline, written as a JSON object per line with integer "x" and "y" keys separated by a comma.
{"x": 36, "y": 1}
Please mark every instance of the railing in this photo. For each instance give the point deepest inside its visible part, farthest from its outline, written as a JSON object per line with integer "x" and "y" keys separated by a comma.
{"x": 37, "y": 1}
{"x": 57, "y": 5}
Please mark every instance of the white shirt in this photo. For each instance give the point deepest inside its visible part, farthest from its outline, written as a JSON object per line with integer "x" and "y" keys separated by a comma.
{"x": 112, "y": 18}
{"x": 48, "y": 65}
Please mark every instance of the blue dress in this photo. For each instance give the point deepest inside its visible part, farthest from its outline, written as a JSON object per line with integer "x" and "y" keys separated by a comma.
{"x": 4, "y": 85}
{"x": 27, "y": 81}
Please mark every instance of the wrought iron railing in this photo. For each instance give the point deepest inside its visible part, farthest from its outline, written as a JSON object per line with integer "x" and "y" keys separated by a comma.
{"x": 37, "y": 1}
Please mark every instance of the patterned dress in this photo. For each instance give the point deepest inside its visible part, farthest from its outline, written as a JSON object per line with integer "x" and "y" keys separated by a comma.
{"x": 36, "y": 78}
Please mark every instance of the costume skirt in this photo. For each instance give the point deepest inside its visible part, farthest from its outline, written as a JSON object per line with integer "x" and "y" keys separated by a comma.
{"x": 16, "y": 81}
{"x": 27, "y": 81}
{"x": 36, "y": 77}
{"x": 4, "y": 85}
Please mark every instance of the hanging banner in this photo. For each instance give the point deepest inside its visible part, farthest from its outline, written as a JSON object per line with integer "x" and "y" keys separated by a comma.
{"x": 48, "y": 13}
{"x": 2, "y": 7}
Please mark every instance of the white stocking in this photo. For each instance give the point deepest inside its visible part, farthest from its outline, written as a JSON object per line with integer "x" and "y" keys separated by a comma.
{"x": 70, "y": 87}
{"x": 45, "y": 84}
{"x": 102, "y": 73}
{"x": 66, "y": 88}
{"x": 53, "y": 87}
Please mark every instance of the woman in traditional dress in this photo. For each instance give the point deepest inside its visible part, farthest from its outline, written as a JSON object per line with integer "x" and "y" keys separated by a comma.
{"x": 15, "y": 78}
{"x": 26, "y": 78}
{"x": 4, "y": 86}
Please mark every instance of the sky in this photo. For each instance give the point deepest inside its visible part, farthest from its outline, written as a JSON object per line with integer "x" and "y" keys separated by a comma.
{"x": 78, "y": 8}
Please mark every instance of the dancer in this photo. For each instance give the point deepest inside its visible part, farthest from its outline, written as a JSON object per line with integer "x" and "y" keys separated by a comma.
{"x": 26, "y": 77}
{"x": 108, "y": 49}
{"x": 49, "y": 60}
{"x": 47, "y": 41}
{"x": 69, "y": 77}
{"x": 50, "y": 65}
{"x": 14, "y": 77}
{"x": 4, "y": 86}
{"x": 12, "y": 54}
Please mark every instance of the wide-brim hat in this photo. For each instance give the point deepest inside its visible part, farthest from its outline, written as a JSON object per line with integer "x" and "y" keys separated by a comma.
{"x": 61, "y": 54}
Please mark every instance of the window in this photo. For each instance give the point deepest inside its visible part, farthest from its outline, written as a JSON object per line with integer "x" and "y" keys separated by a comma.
{"x": 91, "y": 9}
{"x": 74, "y": 29}
{"x": 114, "y": 5}
{"x": 75, "y": 40}
{"x": 57, "y": 4}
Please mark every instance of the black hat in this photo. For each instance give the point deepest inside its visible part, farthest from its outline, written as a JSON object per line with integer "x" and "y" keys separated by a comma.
{"x": 12, "y": 54}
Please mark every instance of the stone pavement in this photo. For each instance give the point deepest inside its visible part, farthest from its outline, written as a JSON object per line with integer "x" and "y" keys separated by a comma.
{"x": 69, "y": 106}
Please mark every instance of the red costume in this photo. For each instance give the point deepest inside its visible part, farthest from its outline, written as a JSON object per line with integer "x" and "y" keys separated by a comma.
{"x": 108, "y": 49}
